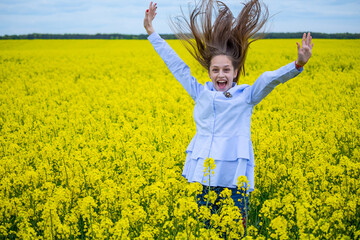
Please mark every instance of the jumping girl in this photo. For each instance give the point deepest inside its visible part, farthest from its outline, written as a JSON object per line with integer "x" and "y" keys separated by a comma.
{"x": 223, "y": 108}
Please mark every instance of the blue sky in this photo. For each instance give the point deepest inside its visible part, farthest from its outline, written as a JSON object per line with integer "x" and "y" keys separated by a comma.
{"x": 126, "y": 16}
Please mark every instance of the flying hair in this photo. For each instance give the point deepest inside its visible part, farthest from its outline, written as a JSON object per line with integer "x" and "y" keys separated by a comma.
{"x": 212, "y": 30}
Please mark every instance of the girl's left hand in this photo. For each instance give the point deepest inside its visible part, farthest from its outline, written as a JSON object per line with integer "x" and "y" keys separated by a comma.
{"x": 304, "y": 52}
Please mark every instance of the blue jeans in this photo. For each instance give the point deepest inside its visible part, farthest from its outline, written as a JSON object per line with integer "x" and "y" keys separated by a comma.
{"x": 234, "y": 195}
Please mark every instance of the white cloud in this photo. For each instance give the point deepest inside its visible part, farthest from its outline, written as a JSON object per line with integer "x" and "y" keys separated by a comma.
{"x": 126, "y": 16}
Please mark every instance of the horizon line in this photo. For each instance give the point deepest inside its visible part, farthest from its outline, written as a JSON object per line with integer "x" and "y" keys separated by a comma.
{"x": 99, "y": 33}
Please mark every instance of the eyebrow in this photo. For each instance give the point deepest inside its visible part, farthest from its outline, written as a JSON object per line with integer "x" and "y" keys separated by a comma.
{"x": 218, "y": 66}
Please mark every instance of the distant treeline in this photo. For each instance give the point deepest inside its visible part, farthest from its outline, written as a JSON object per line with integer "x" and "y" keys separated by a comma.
{"x": 170, "y": 36}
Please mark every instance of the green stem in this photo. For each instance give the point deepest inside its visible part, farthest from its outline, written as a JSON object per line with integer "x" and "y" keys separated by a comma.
{"x": 208, "y": 195}
{"x": 51, "y": 226}
{"x": 246, "y": 212}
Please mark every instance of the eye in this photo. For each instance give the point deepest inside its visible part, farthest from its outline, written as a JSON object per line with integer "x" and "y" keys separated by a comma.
{"x": 215, "y": 70}
{"x": 227, "y": 70}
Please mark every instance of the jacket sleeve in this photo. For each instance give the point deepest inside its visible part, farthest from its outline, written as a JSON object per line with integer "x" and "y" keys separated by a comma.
{"x": 176, "y": 65}
{"x": 268, "y": 81}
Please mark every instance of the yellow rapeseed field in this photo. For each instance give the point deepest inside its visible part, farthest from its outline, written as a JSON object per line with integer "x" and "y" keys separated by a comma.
{"x": 93, "y": 136}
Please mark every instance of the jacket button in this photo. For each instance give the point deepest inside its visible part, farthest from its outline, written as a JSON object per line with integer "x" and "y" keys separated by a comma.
{"x": 227, "y": 94}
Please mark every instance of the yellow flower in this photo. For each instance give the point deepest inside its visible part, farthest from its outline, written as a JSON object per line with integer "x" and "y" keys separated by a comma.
{"x": 93, "y": 140}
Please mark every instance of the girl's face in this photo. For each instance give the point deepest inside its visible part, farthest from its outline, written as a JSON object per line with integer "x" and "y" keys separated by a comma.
{"x": 222, "y": 72}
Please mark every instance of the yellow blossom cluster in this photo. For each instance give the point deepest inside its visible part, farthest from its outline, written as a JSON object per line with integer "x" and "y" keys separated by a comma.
{"x": 93, "y": 136}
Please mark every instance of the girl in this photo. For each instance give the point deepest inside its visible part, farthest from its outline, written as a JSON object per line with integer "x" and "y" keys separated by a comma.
{"x": 223, "y": 108}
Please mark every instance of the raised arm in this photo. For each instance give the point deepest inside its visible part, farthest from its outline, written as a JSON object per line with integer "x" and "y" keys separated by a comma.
{"x": 269, "y": 80}
{"x": 175, "y": 64}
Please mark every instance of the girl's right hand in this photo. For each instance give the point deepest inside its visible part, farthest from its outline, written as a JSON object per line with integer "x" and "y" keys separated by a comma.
{"x": 149, "y": 17}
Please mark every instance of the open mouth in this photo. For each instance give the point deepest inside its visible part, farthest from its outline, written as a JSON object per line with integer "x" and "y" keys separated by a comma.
{"x": 221, "y": 84}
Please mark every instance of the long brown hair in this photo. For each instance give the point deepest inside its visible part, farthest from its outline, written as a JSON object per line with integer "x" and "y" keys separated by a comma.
{"x": 226, "y": 35}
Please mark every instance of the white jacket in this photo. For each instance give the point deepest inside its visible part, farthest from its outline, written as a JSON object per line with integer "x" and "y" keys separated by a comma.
{"x": 222, "y": 122}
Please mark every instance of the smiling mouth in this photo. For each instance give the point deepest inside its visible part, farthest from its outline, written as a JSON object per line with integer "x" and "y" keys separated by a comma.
{"x": 221, "y": 84}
